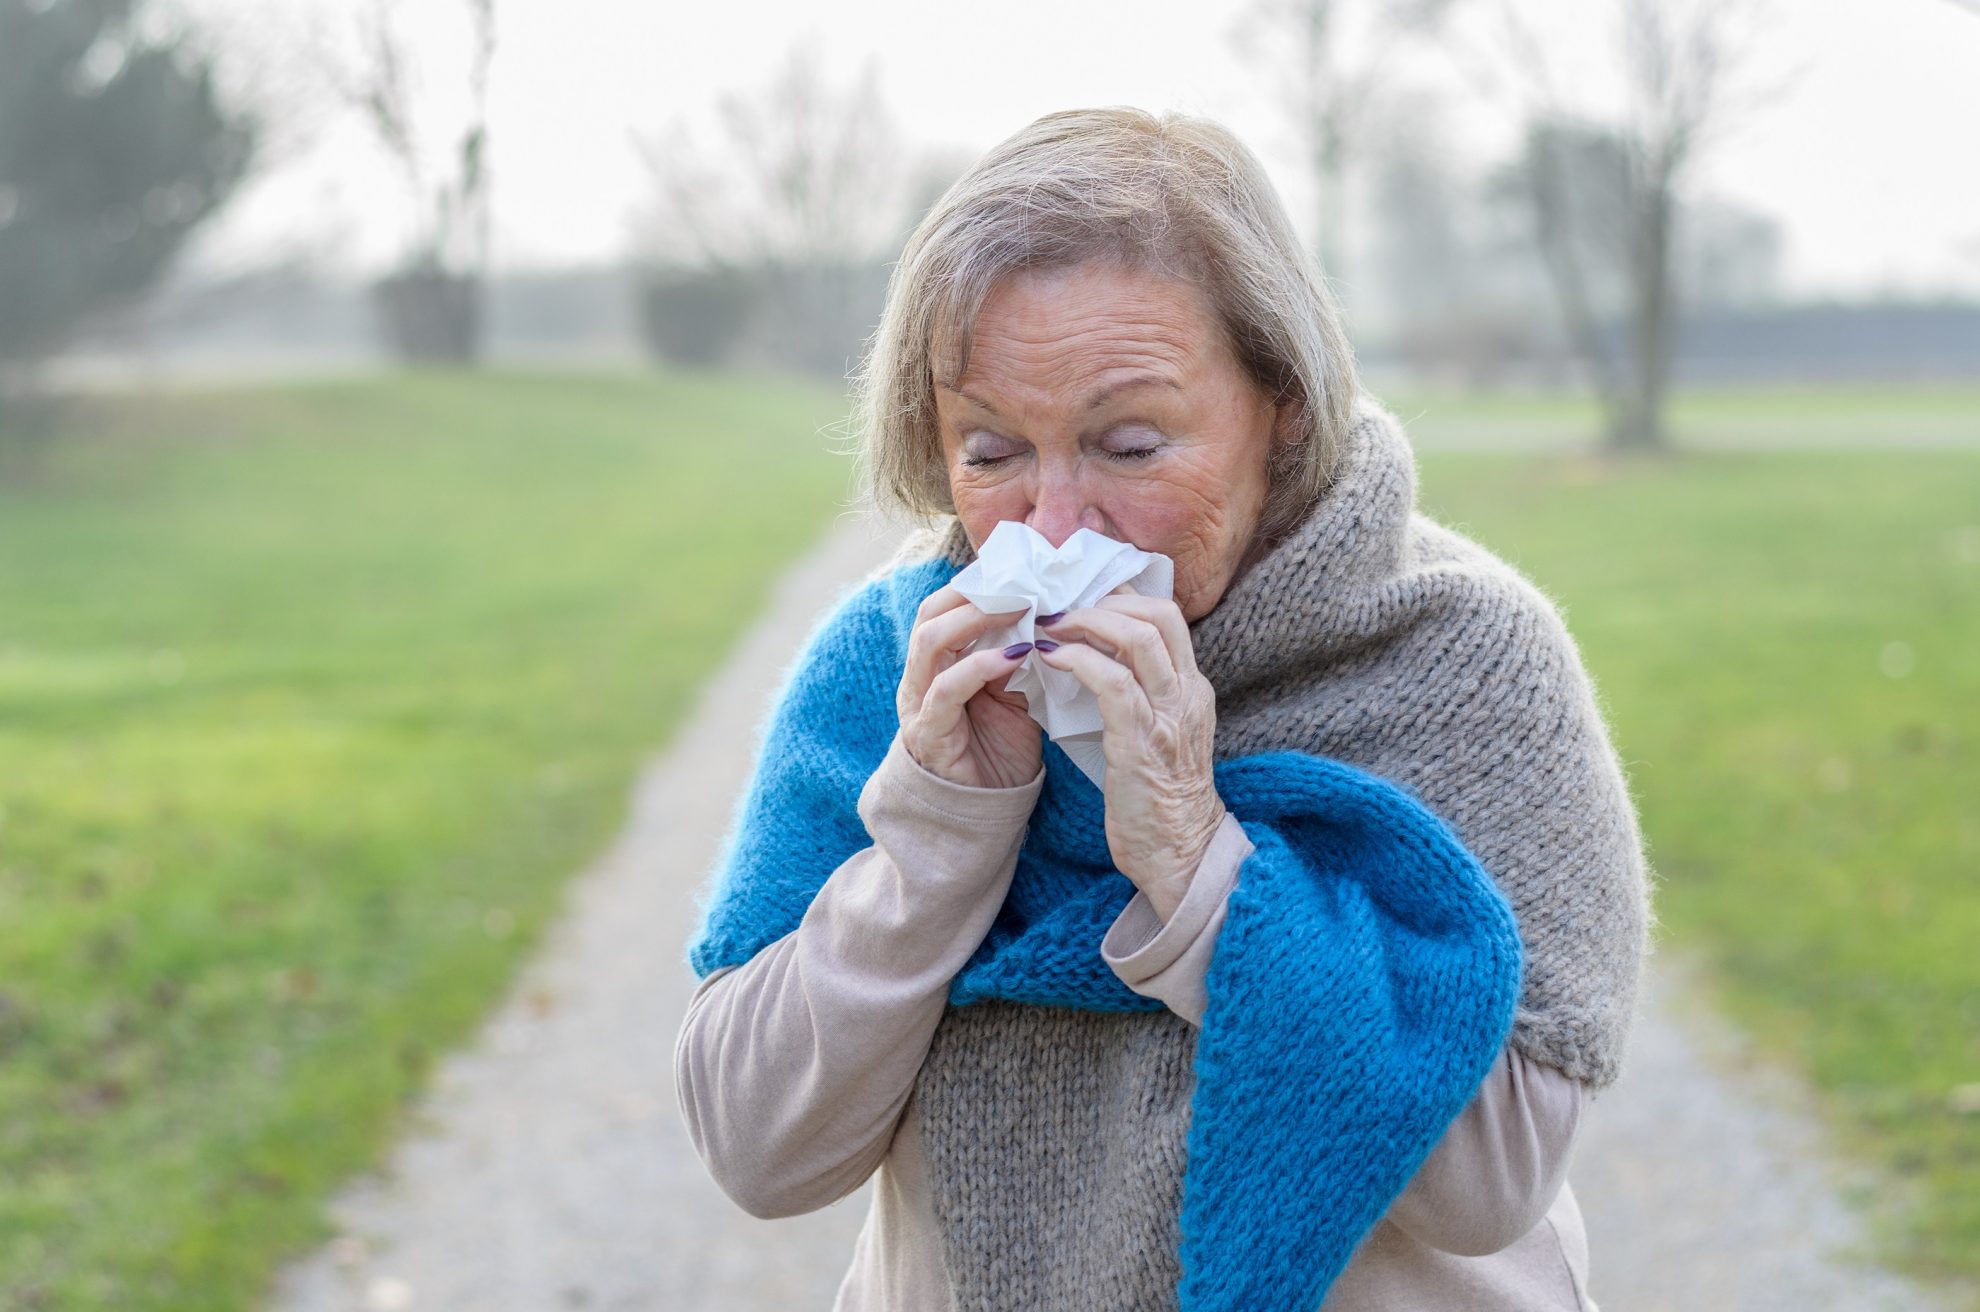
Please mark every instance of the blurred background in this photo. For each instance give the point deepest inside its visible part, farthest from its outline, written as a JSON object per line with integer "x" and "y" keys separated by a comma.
{"x": 405, "y": 407}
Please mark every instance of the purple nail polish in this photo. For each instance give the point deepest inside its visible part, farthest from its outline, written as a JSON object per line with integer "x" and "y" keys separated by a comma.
{"x": 1046, "y": 644}
{"x": 1016, "y": 650}
{"x": 1053, "y": 618}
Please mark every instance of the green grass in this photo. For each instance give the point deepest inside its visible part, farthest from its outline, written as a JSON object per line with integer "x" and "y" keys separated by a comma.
{"x": 1860, "y": 416}
{"x": 310, "y": 700}
{"x": 1788, "y": 646}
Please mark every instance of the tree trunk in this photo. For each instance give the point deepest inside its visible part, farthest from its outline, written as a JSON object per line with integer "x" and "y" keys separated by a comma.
{"x": 1547, "y": 190}
{"x": 1638, "y": 424}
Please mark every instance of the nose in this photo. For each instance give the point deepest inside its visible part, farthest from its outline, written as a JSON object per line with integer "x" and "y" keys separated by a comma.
{"x": 1061, "y": 510}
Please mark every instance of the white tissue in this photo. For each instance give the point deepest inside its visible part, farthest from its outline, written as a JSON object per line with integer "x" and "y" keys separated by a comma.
{"x": 1017, "y": 569}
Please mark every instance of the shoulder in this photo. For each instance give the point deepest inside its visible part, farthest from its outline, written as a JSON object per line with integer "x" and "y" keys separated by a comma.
{"x": 1507, "y": 634}
{"x": 1437, "y": 548}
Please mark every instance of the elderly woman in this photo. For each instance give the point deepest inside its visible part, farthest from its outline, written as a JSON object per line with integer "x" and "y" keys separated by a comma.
{"x": 1302, "y": 1006}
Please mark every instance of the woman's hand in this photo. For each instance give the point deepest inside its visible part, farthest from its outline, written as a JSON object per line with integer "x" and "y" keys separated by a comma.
{"x": 957, "y": 719}
{"x": 1160, "y": 717}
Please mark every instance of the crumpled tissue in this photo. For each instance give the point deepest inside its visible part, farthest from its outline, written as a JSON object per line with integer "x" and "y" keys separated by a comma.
{"x": 1017, "y": 569}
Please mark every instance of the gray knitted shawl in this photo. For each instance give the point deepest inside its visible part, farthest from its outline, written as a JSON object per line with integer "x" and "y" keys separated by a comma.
{"x": 1370, "y": 635}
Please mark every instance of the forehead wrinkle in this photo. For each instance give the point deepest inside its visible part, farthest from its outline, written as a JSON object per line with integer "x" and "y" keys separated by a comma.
{"x": 1062, "y": 372}
{"x": 1037, "y": 352}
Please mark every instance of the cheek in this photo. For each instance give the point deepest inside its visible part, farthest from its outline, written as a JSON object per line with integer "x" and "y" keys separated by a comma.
{"x": 1170, "y": 519}
{"x": 1195, "y": 509}
{"x": 981, "y": 507}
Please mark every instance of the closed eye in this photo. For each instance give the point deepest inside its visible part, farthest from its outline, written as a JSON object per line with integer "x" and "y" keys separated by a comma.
{"x": 985, "y": 462}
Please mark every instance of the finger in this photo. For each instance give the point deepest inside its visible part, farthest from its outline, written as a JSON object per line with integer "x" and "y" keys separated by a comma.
{"x": 1124, "y": 708}
{"x": 941, "y": 710}
{"x": 944, "y": 598}
{"x": 1139, "y": 644}
{"x": 1166, "y": 616}
{"x": 935, "y": 644}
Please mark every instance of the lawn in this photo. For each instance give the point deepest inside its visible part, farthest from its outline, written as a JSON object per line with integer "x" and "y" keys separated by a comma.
{"x": 1788, "y": 646}
{"x": 311, "y": 698}
{"x": 1855, "y": 416}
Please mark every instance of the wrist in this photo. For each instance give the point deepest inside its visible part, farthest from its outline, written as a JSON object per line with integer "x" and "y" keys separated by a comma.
{"x": 1166, "y": 889}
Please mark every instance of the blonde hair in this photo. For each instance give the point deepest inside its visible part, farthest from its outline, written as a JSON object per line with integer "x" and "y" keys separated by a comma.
{"x": 1174, "y": 194}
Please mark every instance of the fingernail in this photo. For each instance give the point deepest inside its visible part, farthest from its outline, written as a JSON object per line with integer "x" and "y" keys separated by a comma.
{"x": 1017, "y": 649}
{"x": 1053, "y": 618}
{"x": 1046, "y": 644}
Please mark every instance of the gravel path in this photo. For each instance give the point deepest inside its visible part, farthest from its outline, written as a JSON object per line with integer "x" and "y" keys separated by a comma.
{"x": 547, "y": 1167}
{"x": 1707, "y": 1182}
{"x": 551, "y": 1170}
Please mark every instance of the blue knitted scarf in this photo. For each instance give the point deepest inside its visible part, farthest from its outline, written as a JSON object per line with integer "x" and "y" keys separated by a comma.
{"x": 1362, "y": 984}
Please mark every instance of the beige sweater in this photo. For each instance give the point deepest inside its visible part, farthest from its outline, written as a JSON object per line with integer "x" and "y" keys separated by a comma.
{"x": 795, "y": 1070}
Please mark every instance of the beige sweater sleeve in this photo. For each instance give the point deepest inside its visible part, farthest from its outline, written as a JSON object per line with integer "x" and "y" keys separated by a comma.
{"x": 1500, "y": 1164}
{"x": 793, "y": 1069}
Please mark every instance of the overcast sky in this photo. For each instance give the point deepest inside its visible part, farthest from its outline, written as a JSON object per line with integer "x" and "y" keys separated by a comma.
{"x": 1872, "y": 160}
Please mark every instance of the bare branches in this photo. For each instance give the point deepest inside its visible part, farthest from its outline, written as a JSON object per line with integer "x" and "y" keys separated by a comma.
{"x": 1679, "y": 66}
{"x": 474, "y": 141}
{"x": 380, "y": 88}
{"x": 1332, "y": 60}
{"x": 801, "y": 174}
{"x": 381, "y": 85}
{"x": 777, "y": 219}
{"x": 1683, "y": 78}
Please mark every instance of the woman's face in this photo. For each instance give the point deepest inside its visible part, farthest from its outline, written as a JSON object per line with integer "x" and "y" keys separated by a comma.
{"x": 1107, "y": 398}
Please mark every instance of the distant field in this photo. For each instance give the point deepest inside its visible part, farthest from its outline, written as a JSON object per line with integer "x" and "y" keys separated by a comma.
{"x": 311, "y": 698}
{"x": 1884, "y": 417}
{"x": 1788, "y": 644}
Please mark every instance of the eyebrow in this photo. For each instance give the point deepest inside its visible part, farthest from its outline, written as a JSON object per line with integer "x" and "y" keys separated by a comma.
{"x": 1107, "y": 393}
{"x": 972, "y": 398}
{"x": 1093, "y": 402}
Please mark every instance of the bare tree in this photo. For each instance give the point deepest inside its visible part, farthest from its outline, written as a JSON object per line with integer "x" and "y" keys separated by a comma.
{"x": 1684, "y": 68}
{"x": 431, "y": 302}
{"x": 793, "y": 204}
{"x": 1575, "y": 182}
{"x": 801, "y": 173}
{"x": 1330, "y": 61}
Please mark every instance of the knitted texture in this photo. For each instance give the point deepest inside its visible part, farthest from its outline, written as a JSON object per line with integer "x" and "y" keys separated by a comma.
{"x": 1407, "y": 737}
{"x": 1362, "y": 985}
{"x": 1084, "y": 1115}
{"x": 1377, "y": 637}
